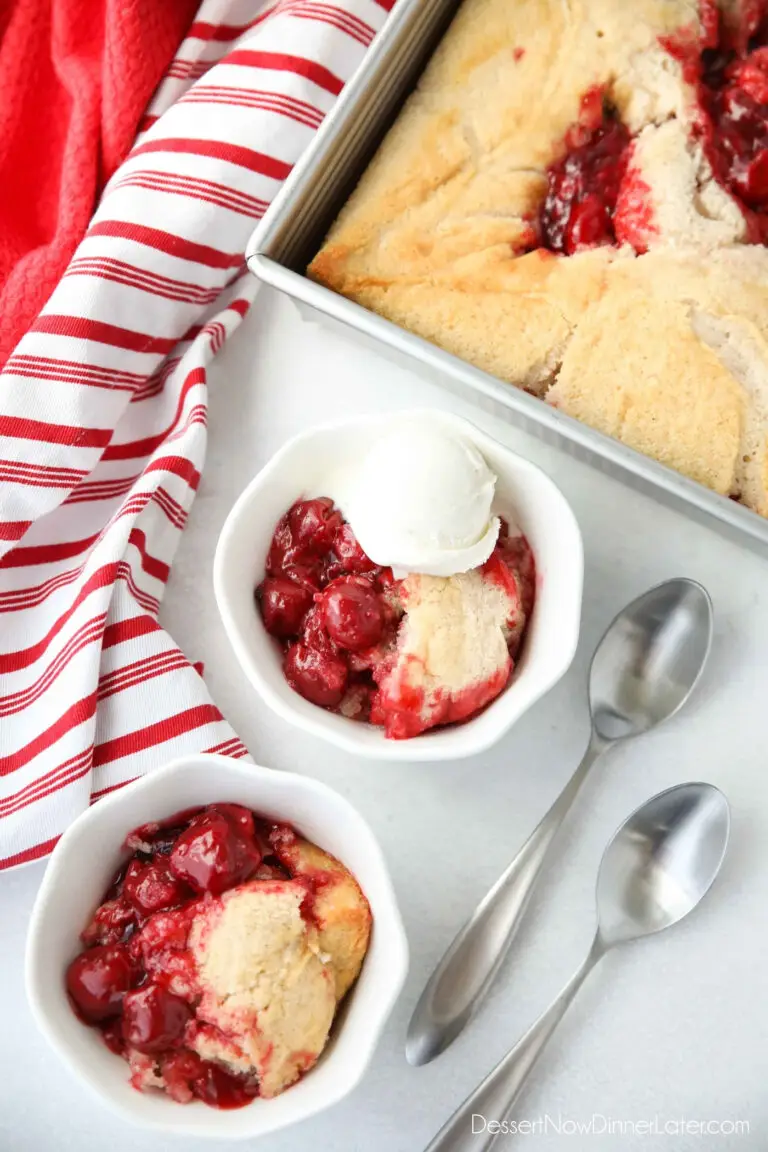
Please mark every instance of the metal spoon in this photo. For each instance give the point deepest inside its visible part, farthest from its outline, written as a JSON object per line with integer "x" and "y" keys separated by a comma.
{"x": 657, "y": 868}
{"x": 643, "y": 670}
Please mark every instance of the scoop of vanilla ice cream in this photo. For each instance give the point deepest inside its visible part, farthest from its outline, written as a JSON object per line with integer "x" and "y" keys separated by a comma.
{"x": 268, "y": 995}
{"x": 421, "y": 502}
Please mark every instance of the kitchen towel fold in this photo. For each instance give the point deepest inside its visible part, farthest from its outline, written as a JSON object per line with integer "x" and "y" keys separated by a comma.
{"x": 103, "y": 400}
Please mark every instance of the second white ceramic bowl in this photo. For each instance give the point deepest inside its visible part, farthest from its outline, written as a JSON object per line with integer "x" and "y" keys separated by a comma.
{"x": 305, "y": 466}
{"x": 80, "y": 870}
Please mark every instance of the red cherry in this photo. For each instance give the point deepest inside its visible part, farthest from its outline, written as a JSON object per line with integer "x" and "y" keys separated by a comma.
{"x": 241, "y": 818}
{"x": 154, "y": 1019}
{"x": 315, "y": 634}
{"x": 353, "y": 613}
{"x": 314, "y": 524}
{"x": 112, "y": 923}
{"x": 307, "y": 576}
{"x": 349, "y": 552}
{"x": 98, "y": 979}
{"x": 151, "y": 887}
{"x": 284, "y": 605}
{"x": 320, "y": 677}
{"x": 163, "y": 933}
{"x": 281, "y": 548}
{"x": 588, "y": 225}
{"x": 211, "y": 856}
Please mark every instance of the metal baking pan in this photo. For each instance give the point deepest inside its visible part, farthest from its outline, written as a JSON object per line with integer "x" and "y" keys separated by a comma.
{"x": 293, "y": 230}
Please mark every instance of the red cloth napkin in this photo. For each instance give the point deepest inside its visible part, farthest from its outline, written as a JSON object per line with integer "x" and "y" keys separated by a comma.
{"x": 75, "y": 79}
{"x": 103, "y": 401}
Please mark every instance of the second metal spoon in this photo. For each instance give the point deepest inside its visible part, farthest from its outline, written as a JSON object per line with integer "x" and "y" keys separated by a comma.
{"x": 659, "y": 865}
{"x": 643, "y": 670}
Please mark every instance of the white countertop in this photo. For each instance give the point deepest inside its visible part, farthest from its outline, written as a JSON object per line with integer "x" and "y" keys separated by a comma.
{"x": 675, "y": 1027}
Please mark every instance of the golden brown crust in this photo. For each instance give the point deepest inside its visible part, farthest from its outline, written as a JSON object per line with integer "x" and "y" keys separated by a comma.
{"x": 673, "y": 361}
{"x": 659, "y": 406}
{"x": 471, "y": 146}
{"x": 668, "y": 351}
{"x": 340, "y": 909}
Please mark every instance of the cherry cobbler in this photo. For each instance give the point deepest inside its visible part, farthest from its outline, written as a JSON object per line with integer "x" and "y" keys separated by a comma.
{"x": 217, "y": 959}
{"x": 575, "y": 199}
{"x": 407, "y": 654}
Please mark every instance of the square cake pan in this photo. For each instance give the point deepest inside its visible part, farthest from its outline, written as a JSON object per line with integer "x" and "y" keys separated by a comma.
{"x": 295, "y": 226}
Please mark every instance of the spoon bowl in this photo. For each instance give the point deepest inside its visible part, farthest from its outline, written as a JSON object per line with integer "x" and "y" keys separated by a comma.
{"x": 650, "y": 659}
{"x": 661, "y": 862}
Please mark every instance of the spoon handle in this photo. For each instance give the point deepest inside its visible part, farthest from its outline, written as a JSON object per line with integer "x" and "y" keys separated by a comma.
{"x": 466, "y": 971}
{"x": 468, "y": 1129}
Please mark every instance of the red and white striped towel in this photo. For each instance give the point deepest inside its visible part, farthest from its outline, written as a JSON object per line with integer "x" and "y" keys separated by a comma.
{"x": 103, "y": 411}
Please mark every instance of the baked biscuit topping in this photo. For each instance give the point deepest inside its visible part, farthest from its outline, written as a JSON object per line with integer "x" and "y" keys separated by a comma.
{"x": 575, "y": 199}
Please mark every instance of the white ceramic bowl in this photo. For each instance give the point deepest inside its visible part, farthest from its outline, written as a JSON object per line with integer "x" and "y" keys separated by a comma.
{"x": 305, "y": 466}
{"x": 79, "y": 871}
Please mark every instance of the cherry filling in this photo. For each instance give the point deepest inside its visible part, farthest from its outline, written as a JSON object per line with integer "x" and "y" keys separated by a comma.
{"x": 135, "y": 980}
{"x": 154, "y": 1019}
{"x": 328, "y": 605}
{"x": 340, "y": 643}
{"x": 594, "y": 198}
{"x": 185, "y": 1071}
{"x": 583, "y": 186}
{"x": 733, "y": 97}
{"x": 151, "y": 887}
